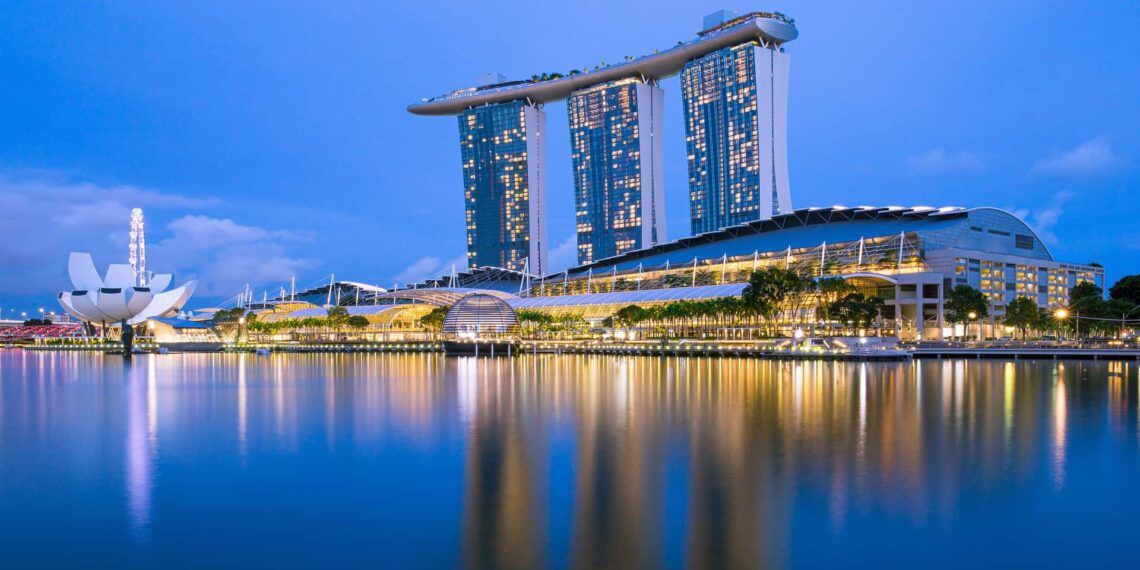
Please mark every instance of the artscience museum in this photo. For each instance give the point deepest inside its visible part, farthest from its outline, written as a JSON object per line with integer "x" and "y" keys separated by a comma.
{"x": 120, "y": 295}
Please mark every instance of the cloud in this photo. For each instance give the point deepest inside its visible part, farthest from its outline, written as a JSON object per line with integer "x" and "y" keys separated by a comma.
{"x": 203, "y": 232}
{"x": 46, "y": 217}
{"x": 429, "y": 267}
{"x": 1091, "y": 158}
{"x": 224, "y": 255}
{"x": 940, "y": 161}
{"x": 1044, "y": 220}
{"x": 563, "y": 256}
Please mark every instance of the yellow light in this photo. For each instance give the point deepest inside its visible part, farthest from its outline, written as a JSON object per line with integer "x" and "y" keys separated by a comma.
{"x": 1061, "y": 313}
{"x": 973, "y": 315}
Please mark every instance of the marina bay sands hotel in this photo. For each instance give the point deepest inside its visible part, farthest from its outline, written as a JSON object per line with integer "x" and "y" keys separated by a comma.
{"x": 734, "y": 90}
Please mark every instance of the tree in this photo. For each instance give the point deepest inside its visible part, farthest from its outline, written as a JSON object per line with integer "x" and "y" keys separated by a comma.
{"x": 433, "y": 321}
{"x": 831, "y": 289}
{"x": 1022, "y": 313}
{"x": 1083, "y": 291}
{"x": 856, "y": 309}
{"x": 767, "y": 290}
{"x": 964, "y": 300}
{"x": 1126, "y": 288}
{"x": 1085, "y": 300}
{"x": 338, "y": 316}
{"x": 1119, "y": 309}
{"x": 629, "y": 315}
{"x": 532, "y": 320}
{"x": 571, "y": 322}
{"x": 356, "y": 321}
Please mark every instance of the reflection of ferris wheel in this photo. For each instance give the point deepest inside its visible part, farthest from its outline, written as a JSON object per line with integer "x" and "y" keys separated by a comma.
{"x": 137, "y": 255}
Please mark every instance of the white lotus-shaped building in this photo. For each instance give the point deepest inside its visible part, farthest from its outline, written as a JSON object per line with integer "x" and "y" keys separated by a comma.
{"x": 115, "y": 297}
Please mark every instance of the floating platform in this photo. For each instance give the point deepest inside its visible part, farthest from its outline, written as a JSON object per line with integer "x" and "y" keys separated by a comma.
{"x": 480, "y": 348}
{"x": 191, "y": 346}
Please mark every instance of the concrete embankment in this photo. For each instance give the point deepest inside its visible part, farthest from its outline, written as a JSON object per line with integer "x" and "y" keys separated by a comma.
{"x": 1028, "y": 353}
{"x": 696, "y": 349}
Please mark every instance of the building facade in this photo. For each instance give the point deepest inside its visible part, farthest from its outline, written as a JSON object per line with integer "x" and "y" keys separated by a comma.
{"x": 616, "y": 151}
{"x": 504, "y": 178}
{"x": 735, "y": 105}
{"x": 909, "y": 257}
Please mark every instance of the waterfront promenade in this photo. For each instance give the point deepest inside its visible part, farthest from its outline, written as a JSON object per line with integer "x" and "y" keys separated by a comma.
{"x": 824, "y": 349}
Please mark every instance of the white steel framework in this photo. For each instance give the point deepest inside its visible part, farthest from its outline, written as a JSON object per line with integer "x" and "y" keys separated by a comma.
{"x": 137, "y": 254}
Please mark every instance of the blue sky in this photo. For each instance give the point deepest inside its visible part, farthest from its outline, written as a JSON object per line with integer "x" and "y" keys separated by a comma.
{"x": 267, "y": 139}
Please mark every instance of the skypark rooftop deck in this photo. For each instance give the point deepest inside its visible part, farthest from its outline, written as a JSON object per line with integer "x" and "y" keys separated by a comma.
{"x": 772, "y": 29}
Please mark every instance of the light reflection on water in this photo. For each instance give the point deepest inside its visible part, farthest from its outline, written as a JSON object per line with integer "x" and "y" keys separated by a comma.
{"x": 563, "y": 461}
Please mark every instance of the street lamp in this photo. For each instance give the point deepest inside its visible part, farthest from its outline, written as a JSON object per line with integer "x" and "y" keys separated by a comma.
{"x": 1125, "y": 316}
{"x": 973, "y": 315}
{"x": 1061, "y": 314}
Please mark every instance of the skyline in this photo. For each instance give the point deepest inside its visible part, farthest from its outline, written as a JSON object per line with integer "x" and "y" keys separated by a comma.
{"x": 308, "y": 181}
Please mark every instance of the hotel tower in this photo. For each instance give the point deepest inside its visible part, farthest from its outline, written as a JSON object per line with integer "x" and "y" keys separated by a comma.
{"x": 734, "y": 84}
{"x": 504, "y": 177}
{"x": 615, "y": 146}
{"x": 736, "y": 116}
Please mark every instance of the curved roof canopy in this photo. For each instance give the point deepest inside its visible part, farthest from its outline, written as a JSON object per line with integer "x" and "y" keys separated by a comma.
{"x": 632, "y": 297}
{"x": 769, "y": 28}
{"x": 485, "y": 277}
{"x": 807, "y": 227}
{"x": 383, "y": 314}
{"x": 440, "y": 296}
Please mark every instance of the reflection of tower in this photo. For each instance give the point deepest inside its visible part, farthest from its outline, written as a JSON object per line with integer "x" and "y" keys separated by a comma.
{"x": 741, "y": 505}
{"x": 137, "y": 257}
{"x": 505, "y": 478}
{"x": 619, "y": 506}
{"x": 142, "y": 433}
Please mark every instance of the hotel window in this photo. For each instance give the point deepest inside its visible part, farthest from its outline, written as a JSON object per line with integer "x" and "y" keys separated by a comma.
{"x": 1023, "y": 241}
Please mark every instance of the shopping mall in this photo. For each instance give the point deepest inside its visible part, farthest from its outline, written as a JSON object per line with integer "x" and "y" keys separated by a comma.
{"x": 908, "y": 257}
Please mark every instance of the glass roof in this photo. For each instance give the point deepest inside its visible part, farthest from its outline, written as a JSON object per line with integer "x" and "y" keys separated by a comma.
{"x": 632, "y": 297}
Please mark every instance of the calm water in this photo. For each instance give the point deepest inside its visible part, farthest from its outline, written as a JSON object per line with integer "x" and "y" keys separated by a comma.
{"x": 423, "y": 461}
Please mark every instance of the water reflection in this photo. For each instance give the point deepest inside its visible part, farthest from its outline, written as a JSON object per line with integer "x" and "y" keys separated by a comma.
{"x": 141, "y": 441}
{"x": 579, "y": 461}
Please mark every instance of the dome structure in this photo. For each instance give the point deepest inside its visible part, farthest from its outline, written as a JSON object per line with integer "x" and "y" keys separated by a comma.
{"x": 480, "y": 313}
{"x": 116, "y": 297}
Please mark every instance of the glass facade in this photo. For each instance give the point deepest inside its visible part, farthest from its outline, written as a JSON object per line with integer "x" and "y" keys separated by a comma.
{"x": 503, "y": 182}
{"x": 618, "y": 197}
{"x": 735, "y": 117}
